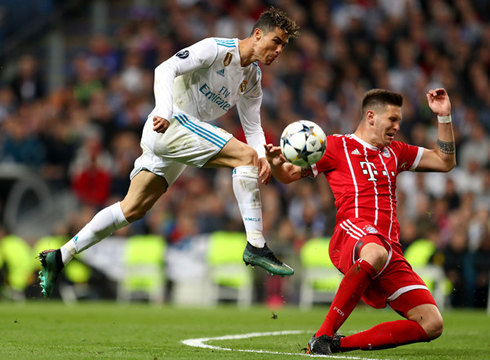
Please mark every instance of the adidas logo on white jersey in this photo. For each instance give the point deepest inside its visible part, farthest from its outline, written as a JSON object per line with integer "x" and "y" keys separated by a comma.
{"x": 355, "y": 152}
{"x": 221, "y": 72}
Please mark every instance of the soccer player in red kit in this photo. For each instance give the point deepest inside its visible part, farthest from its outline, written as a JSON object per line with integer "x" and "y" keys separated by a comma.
{"x": 361, "y": 169}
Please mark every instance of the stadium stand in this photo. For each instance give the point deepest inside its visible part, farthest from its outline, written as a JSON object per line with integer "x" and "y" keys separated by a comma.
{"x": 320, "y": 278}
{"x": 419, "y": 254}
{"x": 94, "y": 60}
{"x": 16, "y": 256}
{"x": 229, "y": 278}
{"x": 144, "y": 272}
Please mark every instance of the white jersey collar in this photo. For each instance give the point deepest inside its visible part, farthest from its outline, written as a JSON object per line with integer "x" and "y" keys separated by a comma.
{"x": 364, "y": 143}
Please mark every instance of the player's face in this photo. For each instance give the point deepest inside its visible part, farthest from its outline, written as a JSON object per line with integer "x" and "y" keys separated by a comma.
{"x": 386, "y": 123}
{"x": 271, "y": 45}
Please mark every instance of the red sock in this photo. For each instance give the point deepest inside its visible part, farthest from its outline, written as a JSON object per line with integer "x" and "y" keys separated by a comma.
{"x": 351, "y": 288}
{"x": 386, "y": 335}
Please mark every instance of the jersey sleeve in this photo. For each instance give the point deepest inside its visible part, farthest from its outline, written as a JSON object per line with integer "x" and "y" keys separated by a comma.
{"x": 408, "y": 155}
{"x": 328, "y": 161}
{"x": 249, "y": 112}
{"x": 199, "y": 55}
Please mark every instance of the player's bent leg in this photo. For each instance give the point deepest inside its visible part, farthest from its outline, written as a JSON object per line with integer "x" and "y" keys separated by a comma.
{"x": 375, "y": 254}
{"x": 243, "y": 159}
{"x": 386, "y": 335}
{"x": 246, "y": 189}
{"x": 104, "y": 223}
{"x": 235, "y": 153}
{"x": 429, "y": 317}
{"x": 419, "y": 305}
{"x": 372, "y": 257}
{"x": 350, "y": 291}
{"x": 424, "y": 324}
{"x": 144, "y": 191}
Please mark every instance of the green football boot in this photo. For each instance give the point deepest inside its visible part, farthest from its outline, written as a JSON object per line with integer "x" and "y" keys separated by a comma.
{"x": 265, "y": 258}
{"x": 51, "y": 268}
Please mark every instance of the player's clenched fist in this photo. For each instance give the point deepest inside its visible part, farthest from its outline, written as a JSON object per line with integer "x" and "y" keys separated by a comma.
{"x": 438, "y": 100}
{"x": 160, "y": 125}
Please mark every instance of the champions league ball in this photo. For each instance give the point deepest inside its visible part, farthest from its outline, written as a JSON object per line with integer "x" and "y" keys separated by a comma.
{"x": 303, "y": 142}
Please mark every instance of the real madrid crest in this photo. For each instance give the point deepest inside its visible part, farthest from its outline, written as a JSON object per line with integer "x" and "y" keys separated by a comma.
{"x": 243, "y": 86}
{"x": 227, "y": 59}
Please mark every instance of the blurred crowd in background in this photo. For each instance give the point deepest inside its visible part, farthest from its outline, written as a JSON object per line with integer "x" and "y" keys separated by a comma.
{"x": 85, "y": 135}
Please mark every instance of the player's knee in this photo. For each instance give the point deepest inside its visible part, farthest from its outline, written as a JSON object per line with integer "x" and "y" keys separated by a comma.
{"x": 134, "y": 213}
{"x": 434, "y": 327}
{"x": 375, "y": 254}
{"x": 133, "y": 216}
{"x": 381, "y": 257}
{"x": 429, "y": 317}
{"x": 249, "y": 156}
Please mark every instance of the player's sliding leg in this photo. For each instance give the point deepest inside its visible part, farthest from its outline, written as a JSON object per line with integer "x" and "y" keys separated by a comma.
{"x": 424, "y": 323}
{"x": 350, "y": 291}
{"x": 247, "y": 193}
{"x": 384, "y": 336}
{"x": 351, "y": 288}
{"x": 145, "y": 189}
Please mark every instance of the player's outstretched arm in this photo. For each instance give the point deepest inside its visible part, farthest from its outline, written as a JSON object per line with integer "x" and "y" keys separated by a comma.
{"x": 443, "y": 157}
{"x": 265, "y": 172}
{"x": 282, "y": 170}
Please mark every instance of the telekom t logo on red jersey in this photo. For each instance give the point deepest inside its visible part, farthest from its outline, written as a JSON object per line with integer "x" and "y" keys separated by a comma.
{"x": 369, "y": 168}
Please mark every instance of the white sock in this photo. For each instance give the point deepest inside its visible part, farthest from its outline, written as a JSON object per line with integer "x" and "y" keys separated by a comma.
{"x": 247, "y": 193}
{"x": 104, "y": 223}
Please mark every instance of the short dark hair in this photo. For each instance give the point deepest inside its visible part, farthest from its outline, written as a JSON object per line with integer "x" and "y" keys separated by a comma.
{"x": 381, "y": 97}
{"x": 276, "y": 18}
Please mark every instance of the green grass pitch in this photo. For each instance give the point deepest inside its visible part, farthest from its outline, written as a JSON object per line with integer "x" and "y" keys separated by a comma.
{"x": 107, "y": 330}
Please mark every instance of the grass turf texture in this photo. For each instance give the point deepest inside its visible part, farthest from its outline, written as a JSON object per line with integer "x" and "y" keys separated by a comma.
{"x": 51, "y": 330}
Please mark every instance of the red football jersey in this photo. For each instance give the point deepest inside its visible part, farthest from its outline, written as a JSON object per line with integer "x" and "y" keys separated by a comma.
{"x": 363, "y": 179}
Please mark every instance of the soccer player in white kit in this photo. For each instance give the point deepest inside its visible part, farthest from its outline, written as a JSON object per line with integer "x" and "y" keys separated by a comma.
{"x": 198, "y": 84}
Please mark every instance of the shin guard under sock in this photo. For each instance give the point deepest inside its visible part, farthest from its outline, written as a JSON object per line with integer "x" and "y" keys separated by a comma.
{"x": 351, "y": 288}
{"x": 247, "y": 193}
{"x": 103, "y": 224}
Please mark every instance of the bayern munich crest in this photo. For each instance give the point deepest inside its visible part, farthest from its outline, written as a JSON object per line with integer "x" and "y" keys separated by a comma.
{"x": 386, "y": 153}
{"x": 371, "y": 229}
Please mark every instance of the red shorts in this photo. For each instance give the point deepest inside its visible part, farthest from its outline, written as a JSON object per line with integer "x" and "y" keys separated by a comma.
{"x": 396, "y": 284}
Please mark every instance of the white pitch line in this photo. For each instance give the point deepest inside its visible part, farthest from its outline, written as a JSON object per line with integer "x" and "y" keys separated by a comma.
{"x": 200, "y": 342}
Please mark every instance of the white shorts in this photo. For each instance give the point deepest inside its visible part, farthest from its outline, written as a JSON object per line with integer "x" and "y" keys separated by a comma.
{"x": 187, "y": 141}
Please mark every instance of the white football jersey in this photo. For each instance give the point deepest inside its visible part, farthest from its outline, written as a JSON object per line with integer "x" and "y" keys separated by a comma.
{"x": 205, "y": 80}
